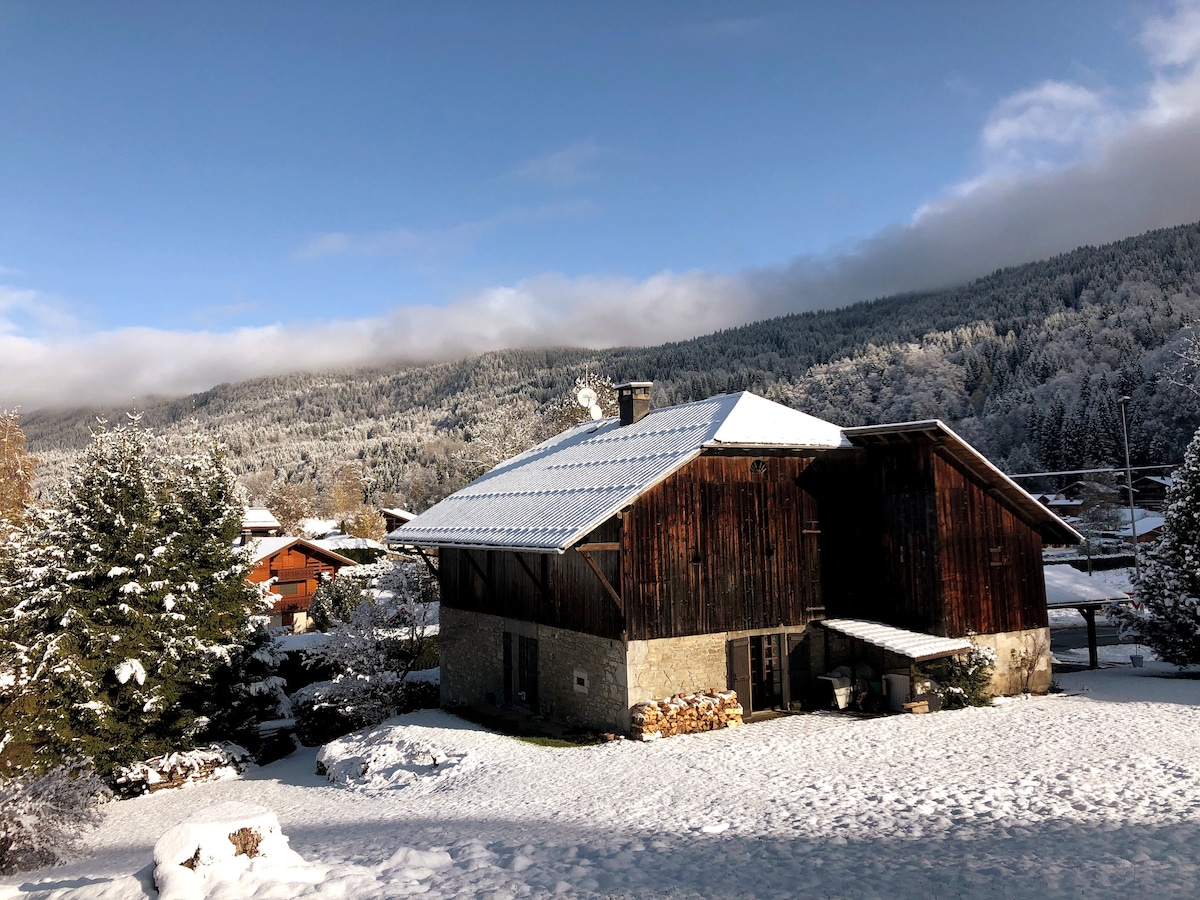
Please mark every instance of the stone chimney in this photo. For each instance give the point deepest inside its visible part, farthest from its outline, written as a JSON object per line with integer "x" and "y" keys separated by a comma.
{"x": 633, "y": 398}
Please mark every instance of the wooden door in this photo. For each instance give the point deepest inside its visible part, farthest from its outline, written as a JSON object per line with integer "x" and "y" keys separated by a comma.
{"x": 766, "y": 673}
{"x": 527, "y": 672}
{"x": 738, "y": 652}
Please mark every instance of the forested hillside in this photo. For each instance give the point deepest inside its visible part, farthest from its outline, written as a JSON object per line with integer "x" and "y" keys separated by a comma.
{"x": 1027, "y": 363}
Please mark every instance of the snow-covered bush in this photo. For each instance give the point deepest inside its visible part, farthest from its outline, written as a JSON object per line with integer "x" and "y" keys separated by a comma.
{"x": 965, "y": 680}
{"x": 1169, "y": 588}
{"x": 335, "y": 600}
{"x": 371, "y": 655}
{"x": 43, "y": 816}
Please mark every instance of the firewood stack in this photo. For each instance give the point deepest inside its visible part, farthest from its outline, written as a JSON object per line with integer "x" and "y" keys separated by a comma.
{"x": 685, "y": 714}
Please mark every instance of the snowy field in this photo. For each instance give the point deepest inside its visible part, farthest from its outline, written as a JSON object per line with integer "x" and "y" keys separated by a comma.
{"x": 1091, "y": 793}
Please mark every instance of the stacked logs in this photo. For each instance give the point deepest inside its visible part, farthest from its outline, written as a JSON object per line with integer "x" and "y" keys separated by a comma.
{"x": 685, "y": 714}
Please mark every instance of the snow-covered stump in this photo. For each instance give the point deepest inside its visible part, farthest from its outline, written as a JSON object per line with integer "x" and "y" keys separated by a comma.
{"x": 228, "y": 843}
{"x": 685, "y": 714}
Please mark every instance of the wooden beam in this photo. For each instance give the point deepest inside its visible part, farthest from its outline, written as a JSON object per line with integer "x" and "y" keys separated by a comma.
{"x": 428, "y": 562}
{"x": 603, "y": 580}
{"x": 599, "y": 547}
{"x": 478, "y": 571}
{"x": 528, "y": 571}
{"x": 1089, "y": 615}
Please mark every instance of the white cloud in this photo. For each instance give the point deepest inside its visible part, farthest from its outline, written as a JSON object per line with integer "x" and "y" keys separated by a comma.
{"x": 570, "y": 166}
{"x": 1174, "y": 40}
{"x": 118, "y": 366}
{"x": 24, "y": 309}
{"x": 453, "y": 240}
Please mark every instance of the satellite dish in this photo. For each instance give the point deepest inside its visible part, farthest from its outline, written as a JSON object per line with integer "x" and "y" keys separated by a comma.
{"x": 586, "y": 397}
{"x": 596, "y": 412}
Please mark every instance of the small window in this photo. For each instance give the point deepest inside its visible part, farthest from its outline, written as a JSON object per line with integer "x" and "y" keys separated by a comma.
{"x": 997, "y": 556}
{"x": 289, "y": 588}
{"x": 581, "y": 681}
{"x": 758, "y": 467}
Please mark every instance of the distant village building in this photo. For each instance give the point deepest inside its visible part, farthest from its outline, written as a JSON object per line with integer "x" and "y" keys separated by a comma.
{"x": 293, "y": 568}
{"x": 394, "y": 518}
{"x": 1150, "y": 491}
{"x": 259, "y": 521}
{"x": 730, "y": 542}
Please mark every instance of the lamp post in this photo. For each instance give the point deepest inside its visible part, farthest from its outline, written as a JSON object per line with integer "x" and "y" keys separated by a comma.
{"x": 1137, "y": 572}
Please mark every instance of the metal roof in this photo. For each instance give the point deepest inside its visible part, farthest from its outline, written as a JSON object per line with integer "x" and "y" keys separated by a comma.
{"x": 1019, "y": 501}
{"x": 1066, "y": 586}
{"x": 910, "y": 644}
{"x": 550, "y": 496}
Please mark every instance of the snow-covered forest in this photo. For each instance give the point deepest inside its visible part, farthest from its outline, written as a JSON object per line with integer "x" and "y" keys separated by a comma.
{"x": 1025, "y": 363}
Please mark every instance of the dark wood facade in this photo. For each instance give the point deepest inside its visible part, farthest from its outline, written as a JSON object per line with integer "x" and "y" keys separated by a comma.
{"x": 739, "y": 541}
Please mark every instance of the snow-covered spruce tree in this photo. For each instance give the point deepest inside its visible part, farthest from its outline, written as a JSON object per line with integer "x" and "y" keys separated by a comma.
{"x": 248, "y": 690}
{"x": 1169, "y": 588}
{"x": 125, "y": 593}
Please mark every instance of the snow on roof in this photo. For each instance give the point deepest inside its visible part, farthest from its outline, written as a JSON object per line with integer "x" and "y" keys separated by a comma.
{"x": 318, "y": 527}
{"x": 912, "y": 644}
{"x": 1067, "y": 586}
{"x": 261, "y": 548}
{"x": 550, "y": 496}
{"x": 259, "y": 517}
{"x": 348, "y": 542}
{"x": 399, "y": 513}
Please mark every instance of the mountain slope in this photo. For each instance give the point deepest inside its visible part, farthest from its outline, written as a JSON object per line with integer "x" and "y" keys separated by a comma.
{"x": 1027, "y": 363}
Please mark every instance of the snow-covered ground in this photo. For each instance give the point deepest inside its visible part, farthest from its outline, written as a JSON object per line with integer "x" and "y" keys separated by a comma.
{"x": 1092, "y": 793}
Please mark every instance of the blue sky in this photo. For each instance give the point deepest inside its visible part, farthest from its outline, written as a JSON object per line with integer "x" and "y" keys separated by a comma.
{"x": 198, "y": 192}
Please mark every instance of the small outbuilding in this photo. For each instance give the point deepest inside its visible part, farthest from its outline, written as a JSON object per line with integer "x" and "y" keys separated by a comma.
{"x": 698, "y": 546}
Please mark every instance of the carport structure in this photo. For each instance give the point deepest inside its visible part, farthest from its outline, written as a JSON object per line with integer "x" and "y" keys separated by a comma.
{"x": 1068, "y": 588}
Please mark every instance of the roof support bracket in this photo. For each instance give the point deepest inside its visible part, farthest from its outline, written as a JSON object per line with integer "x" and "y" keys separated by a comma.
{"x": 428, "y": 562}
{"x": 587, "y": 558}
{"x": 534, "y": 579}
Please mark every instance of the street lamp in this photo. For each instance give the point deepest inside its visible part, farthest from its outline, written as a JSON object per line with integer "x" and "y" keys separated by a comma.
{"x": 1137, "y": 572}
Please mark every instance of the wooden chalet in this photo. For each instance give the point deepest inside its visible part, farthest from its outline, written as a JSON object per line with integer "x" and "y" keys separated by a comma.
{"x": 294, "y": 568}
{"x": 258, "y": 521}
{"x": 1150, "y": 491}
{"x": 697, "y": 546}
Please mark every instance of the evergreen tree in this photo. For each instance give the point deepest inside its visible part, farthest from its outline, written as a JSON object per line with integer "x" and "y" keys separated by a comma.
{"x": 247, "y": 691}
{"x": 126, "y": 591}
{"x": 1169, "y": 588}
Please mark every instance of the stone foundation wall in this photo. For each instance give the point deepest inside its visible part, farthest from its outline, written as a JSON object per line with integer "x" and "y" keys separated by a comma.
{"x": 668, "y": 666}
{"x": 1008, "y": 677}
{"x": 471, "y": 658}
{"x": 582, "y": 680}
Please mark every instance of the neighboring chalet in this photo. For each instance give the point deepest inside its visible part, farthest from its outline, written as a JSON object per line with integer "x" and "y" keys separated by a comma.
{"x": 258, "y": 521}
{"x": 294, "y": 567}
{"x": 704, "y": 545}
{"x": 394, "y": 518}
{"x": 1150, "y": 491}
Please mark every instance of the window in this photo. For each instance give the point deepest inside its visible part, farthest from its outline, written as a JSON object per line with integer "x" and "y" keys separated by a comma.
{"x": 289, "y": 588}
